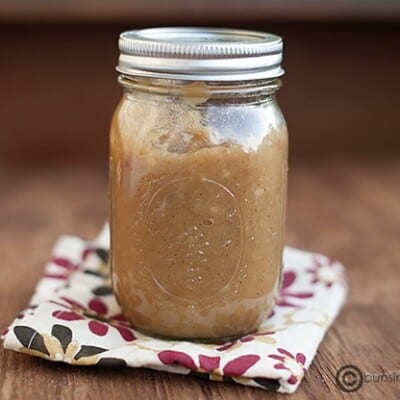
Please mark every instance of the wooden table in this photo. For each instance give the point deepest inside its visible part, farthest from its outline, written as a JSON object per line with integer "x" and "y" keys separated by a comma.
{"x": 348, "y": 210}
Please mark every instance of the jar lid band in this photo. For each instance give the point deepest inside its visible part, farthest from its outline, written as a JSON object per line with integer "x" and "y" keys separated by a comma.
{"x": 208, "y": 54}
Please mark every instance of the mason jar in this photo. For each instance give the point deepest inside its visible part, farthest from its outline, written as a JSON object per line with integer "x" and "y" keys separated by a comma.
{"x": 198, "y": 167}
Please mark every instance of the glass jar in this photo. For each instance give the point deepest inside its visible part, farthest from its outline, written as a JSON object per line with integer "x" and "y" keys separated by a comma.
{"x": 198, "y": 167}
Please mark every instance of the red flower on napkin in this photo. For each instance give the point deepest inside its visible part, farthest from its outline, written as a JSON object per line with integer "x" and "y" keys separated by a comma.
{"x": 64, "y": 270}
{"x": 325, "y": 272}
{"x": 291, "y": 363}
{"x": 96, "y": 312}
{"x": 285, "y": 294}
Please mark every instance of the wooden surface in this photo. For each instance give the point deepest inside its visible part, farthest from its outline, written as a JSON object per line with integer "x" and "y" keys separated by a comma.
{"x": 348, "y": 210}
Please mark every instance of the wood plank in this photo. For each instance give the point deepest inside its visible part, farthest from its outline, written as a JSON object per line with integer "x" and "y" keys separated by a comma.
{"x": 347, "y": 209}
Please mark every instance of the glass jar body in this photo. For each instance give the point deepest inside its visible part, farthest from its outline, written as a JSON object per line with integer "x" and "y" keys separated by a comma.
{"x": 198, "y": 186}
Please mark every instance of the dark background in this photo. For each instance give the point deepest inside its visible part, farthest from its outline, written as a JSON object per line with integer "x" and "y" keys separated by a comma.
{"x": 58, "y": 85}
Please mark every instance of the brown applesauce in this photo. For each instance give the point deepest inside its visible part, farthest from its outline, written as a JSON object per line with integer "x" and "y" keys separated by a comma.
{"x": 198, "y": 207}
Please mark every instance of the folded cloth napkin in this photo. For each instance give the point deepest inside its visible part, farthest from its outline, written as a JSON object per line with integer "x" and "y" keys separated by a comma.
{"x": 74, "y": 317}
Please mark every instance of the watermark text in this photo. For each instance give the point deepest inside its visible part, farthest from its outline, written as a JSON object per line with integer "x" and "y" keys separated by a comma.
{"x": 350, "y": 378}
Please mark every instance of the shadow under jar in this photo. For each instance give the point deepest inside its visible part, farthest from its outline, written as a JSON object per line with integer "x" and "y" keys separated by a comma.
{"x": 198, "y": 171}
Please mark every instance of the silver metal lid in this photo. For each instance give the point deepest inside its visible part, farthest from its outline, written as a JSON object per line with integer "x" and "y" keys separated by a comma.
{"x": 207, "y": 54}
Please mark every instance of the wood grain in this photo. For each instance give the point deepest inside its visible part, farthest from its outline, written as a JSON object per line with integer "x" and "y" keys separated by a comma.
{"x": 347, "y": 209}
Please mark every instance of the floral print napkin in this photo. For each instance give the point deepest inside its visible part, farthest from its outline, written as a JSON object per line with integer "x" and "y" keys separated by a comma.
{"x": 74, "y": 318}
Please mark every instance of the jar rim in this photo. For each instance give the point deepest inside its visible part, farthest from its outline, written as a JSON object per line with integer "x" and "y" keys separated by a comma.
{"x": 206, "y": 54}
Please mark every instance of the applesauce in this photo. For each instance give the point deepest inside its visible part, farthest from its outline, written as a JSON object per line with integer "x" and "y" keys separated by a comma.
{"x": 198, "y": 184}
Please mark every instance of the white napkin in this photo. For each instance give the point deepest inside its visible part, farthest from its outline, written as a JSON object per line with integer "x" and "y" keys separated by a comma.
{"x": 73, "y": 317}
